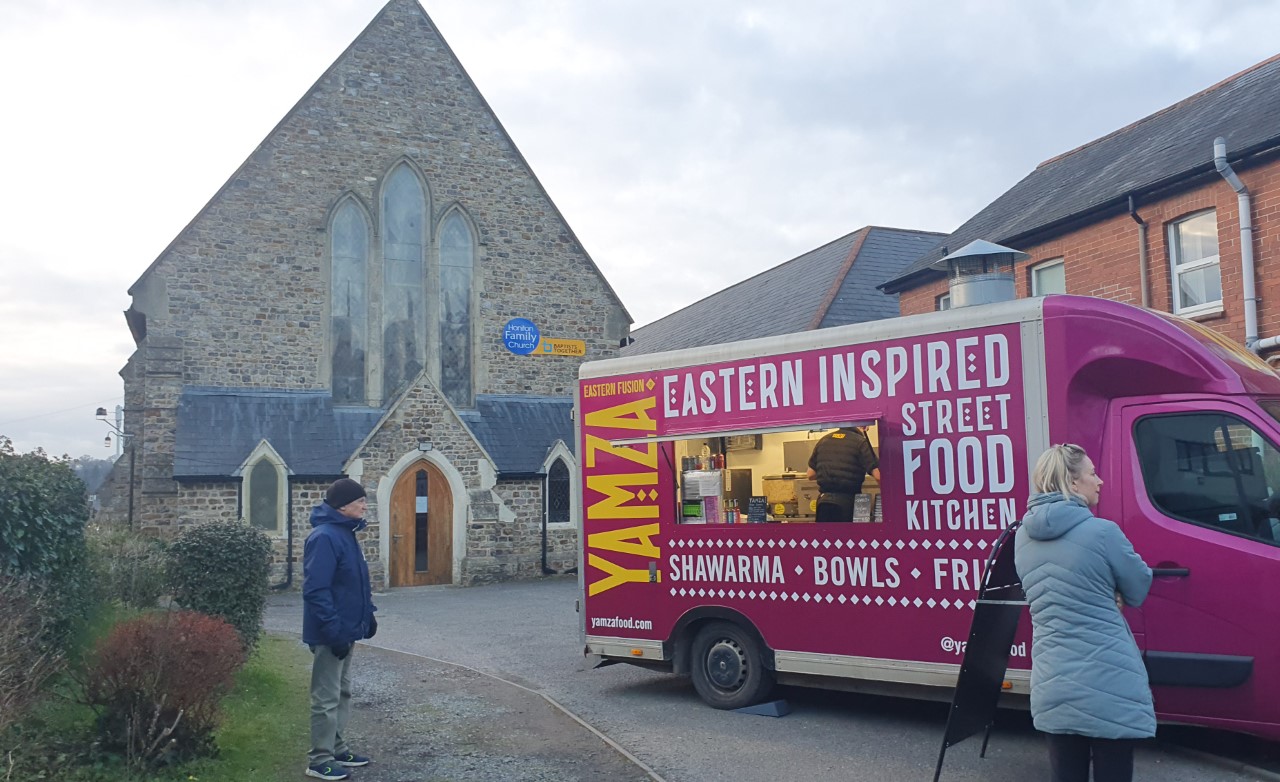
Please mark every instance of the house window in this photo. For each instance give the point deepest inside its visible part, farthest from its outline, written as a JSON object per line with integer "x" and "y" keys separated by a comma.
{"x": 1193, "y": 251}
{"x": 348, "y": 304}
{"x": 457, "y": 257}
{"x": 1049, "y": 277}
{"x": 558, "y": 499}
{"x": 404, "y": 210}
{"x": 943, "y": 302}
{"x": 265, "y": 506}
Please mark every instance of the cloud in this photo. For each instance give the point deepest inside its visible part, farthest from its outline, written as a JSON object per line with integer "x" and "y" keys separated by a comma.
{"x": 689, "y": 145}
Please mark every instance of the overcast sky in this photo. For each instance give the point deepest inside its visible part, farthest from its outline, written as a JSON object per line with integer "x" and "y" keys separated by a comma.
{"x": 689, "y": 143}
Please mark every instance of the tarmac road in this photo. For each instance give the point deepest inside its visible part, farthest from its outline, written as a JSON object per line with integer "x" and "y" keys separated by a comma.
{"x": 527, "y": 633}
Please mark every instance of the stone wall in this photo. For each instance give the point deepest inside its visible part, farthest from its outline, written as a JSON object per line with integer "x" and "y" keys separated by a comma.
{"x": 303, "y": 497}
{"x": 245, "y": 284}
{"x": 520, "y": 540}
{"x": 423, "y": 416}
{"x": 240, "y": 297}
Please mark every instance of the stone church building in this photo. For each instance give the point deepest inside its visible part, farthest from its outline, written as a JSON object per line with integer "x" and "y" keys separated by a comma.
{"x": 339, "y": 307}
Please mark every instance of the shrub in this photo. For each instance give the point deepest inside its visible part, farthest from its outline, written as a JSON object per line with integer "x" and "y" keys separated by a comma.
{"x": 43, "y": 510}
{"x": 156, "y": 682}
{"x": 128, "y": 569}
{"x": 27, "y": 659}
{"x": 221, "y": 569}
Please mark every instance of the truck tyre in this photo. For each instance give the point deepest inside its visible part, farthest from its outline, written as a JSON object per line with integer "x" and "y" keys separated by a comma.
{"x": 727, "y": 668}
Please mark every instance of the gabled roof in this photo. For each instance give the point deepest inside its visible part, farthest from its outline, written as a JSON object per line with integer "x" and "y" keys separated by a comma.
{"x": 833, "y": 285}
{"x": 518, "y": 431}
{"x": 219, "y": 427}
{"x": 392, "y": 15}
{"x": 1162, "y": 151}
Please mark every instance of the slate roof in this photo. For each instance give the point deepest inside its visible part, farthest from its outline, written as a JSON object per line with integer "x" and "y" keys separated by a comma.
{"x": 219, "y": 427}
{"x": 833, "y": 285}
{"x": 518, "y": 431}
{"x": 1163, "y": 150}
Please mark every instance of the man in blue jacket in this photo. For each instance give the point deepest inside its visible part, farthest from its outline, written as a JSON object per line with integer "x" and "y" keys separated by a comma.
{"x": 337, "y": 611}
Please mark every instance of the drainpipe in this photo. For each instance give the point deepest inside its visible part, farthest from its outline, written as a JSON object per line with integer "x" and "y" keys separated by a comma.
{"x": 546, "y": 510}
{"x": 1247, "y": 271}
{"x": 1142, "y": 252}
{"x": 288, "y": 555}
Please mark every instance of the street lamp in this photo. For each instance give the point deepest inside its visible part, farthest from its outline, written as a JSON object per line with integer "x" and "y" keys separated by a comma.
{"x": 126, "y": 439}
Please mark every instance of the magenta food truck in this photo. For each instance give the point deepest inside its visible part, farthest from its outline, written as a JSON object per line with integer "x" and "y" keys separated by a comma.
{"x": 700, "y": 556}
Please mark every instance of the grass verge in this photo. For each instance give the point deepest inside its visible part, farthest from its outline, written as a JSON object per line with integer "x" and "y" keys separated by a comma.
{"x": 263, "y": 736}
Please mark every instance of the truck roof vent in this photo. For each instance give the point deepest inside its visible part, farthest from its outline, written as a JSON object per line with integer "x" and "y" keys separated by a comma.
{"x": 981, "y": 273}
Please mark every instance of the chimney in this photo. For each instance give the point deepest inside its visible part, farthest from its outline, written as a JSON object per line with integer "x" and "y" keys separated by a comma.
{"x": 980, "y": 273}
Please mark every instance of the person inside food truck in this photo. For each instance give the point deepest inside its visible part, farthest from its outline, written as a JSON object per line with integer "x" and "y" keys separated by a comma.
{"x": 840, "y": 462}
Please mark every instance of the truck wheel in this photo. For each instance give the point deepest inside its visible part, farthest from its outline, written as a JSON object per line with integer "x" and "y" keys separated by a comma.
{"x": 727, "y": 669}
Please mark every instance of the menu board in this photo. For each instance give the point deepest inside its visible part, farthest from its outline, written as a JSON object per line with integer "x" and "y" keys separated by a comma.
{"x": 757, "y": 509}
{"x": 862, "y": 508}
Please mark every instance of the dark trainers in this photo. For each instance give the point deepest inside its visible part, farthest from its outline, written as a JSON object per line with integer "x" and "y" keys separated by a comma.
{"x": 351, "y": 759}
{"x": 327, "y": 771}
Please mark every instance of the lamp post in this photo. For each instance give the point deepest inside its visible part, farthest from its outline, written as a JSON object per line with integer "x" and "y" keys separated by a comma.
{"x": 126, "y": 439}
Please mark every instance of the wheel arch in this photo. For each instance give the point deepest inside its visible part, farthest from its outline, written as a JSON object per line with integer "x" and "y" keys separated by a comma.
{"x": 687, "y": 626}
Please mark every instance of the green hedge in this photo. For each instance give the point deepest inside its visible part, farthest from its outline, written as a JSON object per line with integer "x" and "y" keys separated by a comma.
{"x": 221, "y": 569}
{"x": 128, "y": 568}
{"x": 43, "y": 511}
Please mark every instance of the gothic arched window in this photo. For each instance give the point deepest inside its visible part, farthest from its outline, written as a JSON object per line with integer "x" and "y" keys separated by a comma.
{"x": 404, "y": 210}
{"x": 457, "y": 257}
{"x": 558, "y": 494}
{"x": 264, "y": 507}
{"x": 348, "y": 303}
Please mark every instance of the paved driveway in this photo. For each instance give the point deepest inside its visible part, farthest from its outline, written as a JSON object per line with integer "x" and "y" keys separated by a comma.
{"x": 527, "y": 633}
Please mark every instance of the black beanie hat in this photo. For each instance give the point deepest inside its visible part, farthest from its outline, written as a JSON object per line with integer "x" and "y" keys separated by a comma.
{"x": 343, "y": 492}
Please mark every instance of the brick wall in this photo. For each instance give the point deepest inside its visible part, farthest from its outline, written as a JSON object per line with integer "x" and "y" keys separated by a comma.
{"x": 1102, "y": 259}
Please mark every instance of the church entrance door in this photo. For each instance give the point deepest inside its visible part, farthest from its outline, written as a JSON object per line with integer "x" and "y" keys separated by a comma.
{"x": 421, "y": 527}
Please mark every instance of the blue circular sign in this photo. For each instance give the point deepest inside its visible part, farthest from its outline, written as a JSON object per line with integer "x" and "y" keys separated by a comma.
{"x": 521, "y": 336}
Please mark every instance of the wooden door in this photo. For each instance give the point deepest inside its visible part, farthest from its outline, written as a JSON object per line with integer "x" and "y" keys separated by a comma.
{"x": 421, "y": 527}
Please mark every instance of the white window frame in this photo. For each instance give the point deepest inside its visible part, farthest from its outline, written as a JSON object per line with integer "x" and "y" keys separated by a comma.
{"x": 1039, "y": 267}
{"x": 942, "y": 303}
{"x": 264, "y": 452}
{"x": 561, "y": 451}
{"x": 1174, "y": 270}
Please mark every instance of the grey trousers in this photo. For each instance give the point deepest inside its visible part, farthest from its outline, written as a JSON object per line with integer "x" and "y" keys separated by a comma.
{"x": 330, "y": 704}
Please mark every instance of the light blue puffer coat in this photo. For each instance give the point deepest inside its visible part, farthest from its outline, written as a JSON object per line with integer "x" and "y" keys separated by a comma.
{"x": 1087, "y": 676}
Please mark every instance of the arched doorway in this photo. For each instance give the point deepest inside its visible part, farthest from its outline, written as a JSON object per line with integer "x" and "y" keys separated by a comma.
{"x": 421, "y": 527}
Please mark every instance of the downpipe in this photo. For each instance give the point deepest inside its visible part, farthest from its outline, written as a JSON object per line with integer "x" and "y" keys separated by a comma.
{"x": 547, "y": 570}
{"x": 1142, "y": 253}
{"x": 288, "y": 551}
{"x": 1248, "y": 272}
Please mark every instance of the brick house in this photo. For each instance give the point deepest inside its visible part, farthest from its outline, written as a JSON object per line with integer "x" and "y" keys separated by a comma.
{"x": 1143, "y": 215}
{"x": 338, "y": 308}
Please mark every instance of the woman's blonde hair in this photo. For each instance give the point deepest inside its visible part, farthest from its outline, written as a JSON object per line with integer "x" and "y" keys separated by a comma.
{"x": 1057, "y": 468}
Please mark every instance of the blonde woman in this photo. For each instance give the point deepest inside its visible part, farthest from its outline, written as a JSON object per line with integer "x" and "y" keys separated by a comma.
{"x": 1089, "y": 688}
